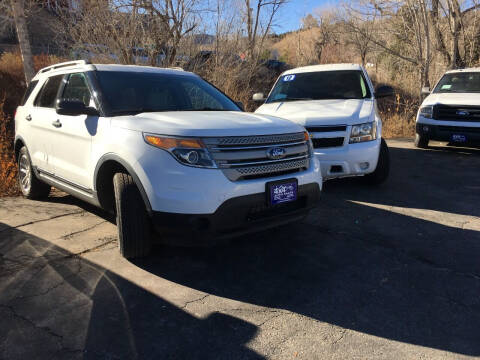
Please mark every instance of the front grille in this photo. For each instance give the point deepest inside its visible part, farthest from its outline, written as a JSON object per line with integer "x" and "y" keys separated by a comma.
{"x": 327, "y": 142}
{"x": 456, "y": 112}
{"x": 459, "y": 129}
{"x": 327, "y": 128}
{"x": 245, "y": 157}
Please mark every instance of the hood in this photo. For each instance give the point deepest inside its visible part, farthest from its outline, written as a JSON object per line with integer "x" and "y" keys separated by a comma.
{"x": 322, "y": 112}
{"x": 206, "y": 123}
{"x": 452, "y": 99}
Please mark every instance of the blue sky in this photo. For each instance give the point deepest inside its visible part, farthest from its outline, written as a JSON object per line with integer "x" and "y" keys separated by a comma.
{"x": 290, "y": 16}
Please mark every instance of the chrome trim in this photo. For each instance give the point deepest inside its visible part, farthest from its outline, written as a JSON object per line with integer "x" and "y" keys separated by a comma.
{"x": 262, "y": 162}
{"x": 256, "y": 147}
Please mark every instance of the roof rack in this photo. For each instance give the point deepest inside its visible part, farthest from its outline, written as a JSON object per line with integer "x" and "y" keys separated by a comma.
{"x": 176, "y": 68}
{"x": 65, "y": 64}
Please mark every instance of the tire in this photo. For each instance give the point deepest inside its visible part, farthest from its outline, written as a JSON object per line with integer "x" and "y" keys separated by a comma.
{"x": 31, "y": 187}
{"x": 133, "y": 223}
{"x": 421, "y": 141}
{"x": 383, "y": 167}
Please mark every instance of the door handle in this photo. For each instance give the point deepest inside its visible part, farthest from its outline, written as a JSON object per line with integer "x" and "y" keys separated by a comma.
{"x": 28, "y": 117}
{"x": 57, "y": 123}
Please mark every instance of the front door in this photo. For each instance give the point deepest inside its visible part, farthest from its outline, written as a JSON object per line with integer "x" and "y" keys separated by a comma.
{"x": 72, "y": 142}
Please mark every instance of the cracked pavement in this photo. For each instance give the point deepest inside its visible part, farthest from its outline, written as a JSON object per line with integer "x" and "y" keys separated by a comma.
{"x": 373, "y": 273}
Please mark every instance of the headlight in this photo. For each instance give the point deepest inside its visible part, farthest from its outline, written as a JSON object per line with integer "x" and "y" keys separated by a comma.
{"x": 426, "y": 111}
{"x": 363, "y": 132}
{"x": 190, "y": 152}
{"x": 309, "y": 143}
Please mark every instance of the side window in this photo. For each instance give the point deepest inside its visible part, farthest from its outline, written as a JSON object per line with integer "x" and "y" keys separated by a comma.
{"x": 28, "y": 92}
{"x": 48, "y": 94}
{"x": 77, "y": 89}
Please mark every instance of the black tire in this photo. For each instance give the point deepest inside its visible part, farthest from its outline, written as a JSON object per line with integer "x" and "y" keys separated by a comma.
{"x": 421, "y": 141}
{"x": 31, "y": 187}
{"x": 383, "y": 167}
{"x": 133, "y": 223}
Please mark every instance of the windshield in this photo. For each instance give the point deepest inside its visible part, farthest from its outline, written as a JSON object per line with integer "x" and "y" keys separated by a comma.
{"x": 137, "y": 92}
{"x": 461, "y": 82}
{"x": 349, "y": 84}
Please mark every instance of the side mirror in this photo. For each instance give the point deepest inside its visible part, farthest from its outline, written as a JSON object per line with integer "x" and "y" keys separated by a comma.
{"x": 426, "y": 90}
{"x": 383, "y": 91}
{"x": 74, "y": 108}
{"x": 258, "y": 97}
{"x": 240, "y": 105}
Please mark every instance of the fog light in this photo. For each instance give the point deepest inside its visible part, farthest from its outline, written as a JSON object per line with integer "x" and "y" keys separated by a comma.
{"x": 426, "y": 128}
{"x": 364, "y": 165}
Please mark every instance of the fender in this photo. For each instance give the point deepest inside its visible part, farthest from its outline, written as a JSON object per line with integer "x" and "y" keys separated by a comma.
{"x": 17, "y": 139}
{"x": 136, "y": 179}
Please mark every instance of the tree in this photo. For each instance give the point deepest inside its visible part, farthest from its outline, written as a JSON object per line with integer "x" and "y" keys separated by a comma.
{"x": 23, "y": 38}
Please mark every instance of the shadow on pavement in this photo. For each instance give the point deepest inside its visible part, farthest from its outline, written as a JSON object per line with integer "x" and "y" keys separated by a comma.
{"x": 351, "y": 264}
{"x": 412, "y": 277}
{"x": 55, "y": 305}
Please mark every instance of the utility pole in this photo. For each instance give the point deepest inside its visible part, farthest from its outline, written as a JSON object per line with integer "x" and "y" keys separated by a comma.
{"x": 23, "y": 38}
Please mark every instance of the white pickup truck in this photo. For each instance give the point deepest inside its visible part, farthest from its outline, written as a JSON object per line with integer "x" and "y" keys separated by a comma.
{"x": 336, "y": 103}
{"x": 451, "y": 112}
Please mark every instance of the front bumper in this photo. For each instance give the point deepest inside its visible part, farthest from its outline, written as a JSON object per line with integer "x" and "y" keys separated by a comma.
{"x": 349, "y": 159}
{"x": 175, "y": 188}
{"x": 444, "y": 130}
{"x": 237, "y": 216}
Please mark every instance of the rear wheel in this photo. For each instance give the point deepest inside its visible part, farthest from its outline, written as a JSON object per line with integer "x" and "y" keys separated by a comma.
{"x": 383, "y": 167}
{"x": 31, "y": 187}
{"x": 421, "y": 141}
{"x": 133, "y": 223}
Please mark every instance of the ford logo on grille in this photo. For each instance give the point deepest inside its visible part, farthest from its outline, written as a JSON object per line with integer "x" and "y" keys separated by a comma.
{"x": 276, "y": 153}
{"x": 463, "y": 112}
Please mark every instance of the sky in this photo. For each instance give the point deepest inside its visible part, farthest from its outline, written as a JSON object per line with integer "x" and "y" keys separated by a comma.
{"x": 292, "y": 13}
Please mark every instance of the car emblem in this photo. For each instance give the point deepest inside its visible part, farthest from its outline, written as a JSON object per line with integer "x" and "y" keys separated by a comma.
{"x": 276, "y": 153}
{"x": 463, "y": 112}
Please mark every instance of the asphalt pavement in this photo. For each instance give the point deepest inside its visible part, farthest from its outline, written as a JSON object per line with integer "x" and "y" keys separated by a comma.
{"x": 389, "y": 272}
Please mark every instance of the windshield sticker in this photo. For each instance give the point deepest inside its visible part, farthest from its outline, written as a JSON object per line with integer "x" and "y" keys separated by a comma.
{"x": 446, "y": 87}
{"x": 289, "y": 78}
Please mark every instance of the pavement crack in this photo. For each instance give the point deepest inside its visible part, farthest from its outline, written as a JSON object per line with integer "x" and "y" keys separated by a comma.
{"x": 194, "y": 301}
{"x": 72, "y": 234}
{"x": 41, "y": 220}
{"x": 31, "y": 323}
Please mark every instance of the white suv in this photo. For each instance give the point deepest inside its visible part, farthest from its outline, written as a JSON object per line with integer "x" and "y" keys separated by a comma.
{"x": 337, "y": 105}
{"x": 164, "y": 150}
{"x": 452, "y": 111}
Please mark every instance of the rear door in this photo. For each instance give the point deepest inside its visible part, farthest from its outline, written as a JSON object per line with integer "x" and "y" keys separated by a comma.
{"x": 41, "y": 117}
{"x": 72, "y": 143}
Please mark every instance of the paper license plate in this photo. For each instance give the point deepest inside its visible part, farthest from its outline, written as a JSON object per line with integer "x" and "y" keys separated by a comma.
{"x": 282, "y": 191}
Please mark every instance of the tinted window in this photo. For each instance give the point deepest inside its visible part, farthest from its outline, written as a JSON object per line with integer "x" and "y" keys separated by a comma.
{"x": 320, "y": 85}
{"x": 133, "y": 92}
{"x": 28, "y": 92}
{"x": 46, "y": 97}
{"x": 462, "y": 82}
{"x": 77, "y": 89}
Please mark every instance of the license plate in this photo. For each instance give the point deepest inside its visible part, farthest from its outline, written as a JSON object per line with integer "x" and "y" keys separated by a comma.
{"x": 282, "y": 191}
{"x": 459, "y": 138}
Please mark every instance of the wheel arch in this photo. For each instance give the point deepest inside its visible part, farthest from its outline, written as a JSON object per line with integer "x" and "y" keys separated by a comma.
{"x": 106, "y": 168}
{"x": 18, "y": 144}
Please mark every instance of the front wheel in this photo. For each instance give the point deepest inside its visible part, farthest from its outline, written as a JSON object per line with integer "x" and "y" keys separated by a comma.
{"x": 421, "y": 141}
{"x": 133, "y": 223}
{"x": 383, "y": 167}
{"x": 31, "y": 187}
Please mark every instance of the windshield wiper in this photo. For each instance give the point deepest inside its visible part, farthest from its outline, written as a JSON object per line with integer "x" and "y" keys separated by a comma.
{"x": 290, "y": 99}
{"x": 205, "y": 109}
{"x": 136, "y": 111}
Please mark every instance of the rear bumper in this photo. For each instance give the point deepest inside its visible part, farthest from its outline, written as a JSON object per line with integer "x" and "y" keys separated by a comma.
{"x": 445, "y": 132}
{"x": 237, "y": 216}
